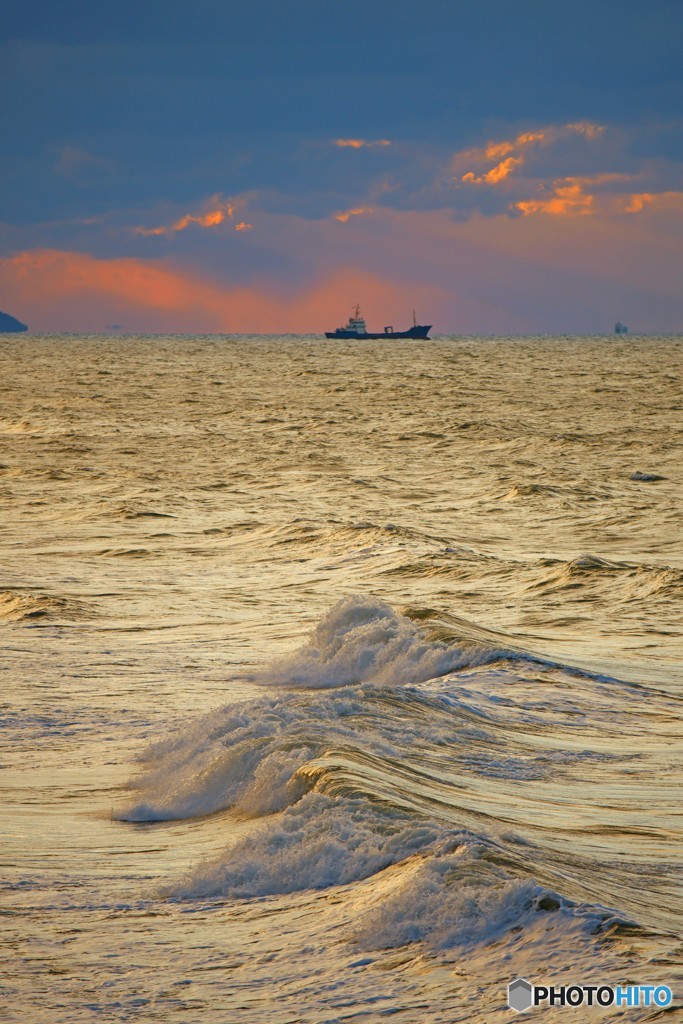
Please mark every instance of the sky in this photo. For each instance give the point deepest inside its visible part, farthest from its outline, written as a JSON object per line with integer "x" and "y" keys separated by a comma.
{"x": 499, "y": 167}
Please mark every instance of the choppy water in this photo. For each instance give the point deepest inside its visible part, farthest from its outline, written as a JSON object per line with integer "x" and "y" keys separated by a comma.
{"x": 341, "y": 681}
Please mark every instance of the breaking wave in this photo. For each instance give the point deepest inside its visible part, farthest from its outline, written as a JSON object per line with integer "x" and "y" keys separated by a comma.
{"x": 388, "y": 741}
{"x": 372, "y": 665}
{"x": 362, "y": 640}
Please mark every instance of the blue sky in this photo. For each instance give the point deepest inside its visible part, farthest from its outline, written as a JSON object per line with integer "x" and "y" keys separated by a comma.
{"x": 510, "y": 166}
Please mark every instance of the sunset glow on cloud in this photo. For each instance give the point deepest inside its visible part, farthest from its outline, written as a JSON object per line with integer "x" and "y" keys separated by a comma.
{"x": 640, "y": 201}
{"x": 82, "y": 291}
{"x": 392, "y": 261}
{"x": 496, "y": 150}
{"x": 567, "y": 200}
{"x": 413, "y": 173}
{"x": 496, "y": 174}
{"x": 391, "y": 236}
{"x": 345, "y": 216}
{"x": 507, "y": 156}
{"x": 570, "y": 197}
{"x": 264, "y": 150}
{"x": 209, "y": 219}
{"x": 361, "y": 143}
{"x": 510, "y": 155}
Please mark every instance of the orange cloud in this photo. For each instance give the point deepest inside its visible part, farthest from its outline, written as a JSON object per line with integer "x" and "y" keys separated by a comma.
{"x": 567, "y": 200}
{"x": 528, "y": 137}
{"x": 502, "y": 170}
{"x": 503, "y": 153}
{"x": 210, "y": 219}
{"x": 75, "y": 291}
{"x": 496, "y": 150}
{"x": 346, "y": 215}
{"x": 639, "y": 201}
{"x": 243, "y": 226}
{"x": 360, "y": 143}
{"x": 496, "y": 174}
{"x": 511, "y": 153}
{"x": 570, "y": 197}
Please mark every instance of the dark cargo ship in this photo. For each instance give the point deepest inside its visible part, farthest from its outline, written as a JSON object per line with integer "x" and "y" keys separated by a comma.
{"x": 356, "y": 328}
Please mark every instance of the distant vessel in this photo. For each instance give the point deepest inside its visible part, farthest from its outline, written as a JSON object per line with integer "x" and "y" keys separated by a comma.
{"x": 620, "y": 328}
{"x": 356, "y": 328}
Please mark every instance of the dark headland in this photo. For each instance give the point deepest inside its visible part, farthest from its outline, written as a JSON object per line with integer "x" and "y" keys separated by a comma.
{"x": 10, "y": 324}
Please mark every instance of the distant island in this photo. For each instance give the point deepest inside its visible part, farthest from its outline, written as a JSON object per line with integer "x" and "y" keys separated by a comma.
{"x": 9, "y": 324}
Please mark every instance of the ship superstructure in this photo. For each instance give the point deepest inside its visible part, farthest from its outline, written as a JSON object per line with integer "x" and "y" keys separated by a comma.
{"x": 356, "y": 328}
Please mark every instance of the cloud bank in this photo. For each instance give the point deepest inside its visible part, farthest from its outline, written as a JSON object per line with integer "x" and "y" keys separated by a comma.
{"x": 552, "y": 227}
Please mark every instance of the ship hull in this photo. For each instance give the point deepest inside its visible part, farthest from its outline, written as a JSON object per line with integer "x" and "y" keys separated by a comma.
{"x": 418, "y": 333}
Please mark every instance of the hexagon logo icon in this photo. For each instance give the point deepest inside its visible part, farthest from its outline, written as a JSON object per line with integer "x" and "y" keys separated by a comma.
{"x": 520, "y": 995}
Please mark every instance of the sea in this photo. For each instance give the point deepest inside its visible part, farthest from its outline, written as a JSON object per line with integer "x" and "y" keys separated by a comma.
{"x": 341, "y": 681}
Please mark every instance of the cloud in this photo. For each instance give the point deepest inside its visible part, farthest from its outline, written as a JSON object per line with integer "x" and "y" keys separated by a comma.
{"x": 568, "y": 199}
{"x": 534, "y": 205}
{"x": 360, "y": 143}
{"x": 74, "y": 291}
{"x": 218, "y": 212}
{"x": 536, "y": 187}
{"x": 503, "y": 273}
{"x": 345, "y": 216}
{"x": 587, "y": 128}
{"x": 511, "y": 154}
{"x": 496, "y": 174}
{"x": 496, "y": 150}
{"x": 508, "y": 155}
{"x": 494, "y": 273}
{"x": 639, "y": 201}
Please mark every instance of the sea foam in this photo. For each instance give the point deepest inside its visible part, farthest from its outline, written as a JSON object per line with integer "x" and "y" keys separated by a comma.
{"x": 321, "y": 842}
{"x": 251, "y": 758}
{"x": 443, "y": 888}
{"x": 362, "y": 640}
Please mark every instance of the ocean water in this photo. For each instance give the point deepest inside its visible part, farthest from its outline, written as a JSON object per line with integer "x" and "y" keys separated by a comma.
{"x": 341, "y": 681}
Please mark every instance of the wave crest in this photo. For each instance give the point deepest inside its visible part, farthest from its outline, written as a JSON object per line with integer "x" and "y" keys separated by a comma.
{"x": 323, "y": 841}
{"x": 364, "y": 640}
{"x": 25, "y": 606}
